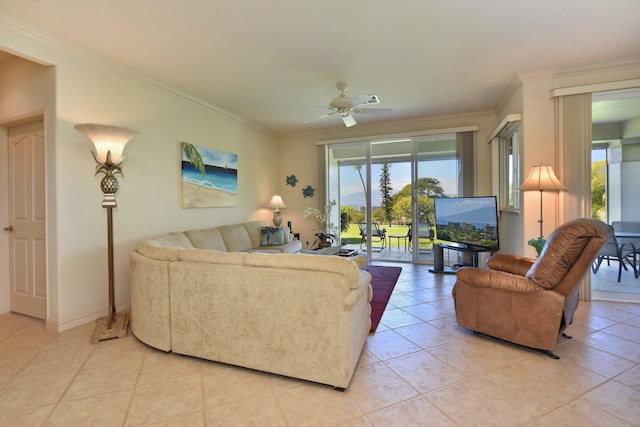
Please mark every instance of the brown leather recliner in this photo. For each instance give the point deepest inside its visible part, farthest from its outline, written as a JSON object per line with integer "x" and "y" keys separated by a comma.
{"x": 526, "y": 301}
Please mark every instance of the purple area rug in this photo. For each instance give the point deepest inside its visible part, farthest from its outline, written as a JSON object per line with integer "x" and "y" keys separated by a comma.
{"x": 383, "y": 280}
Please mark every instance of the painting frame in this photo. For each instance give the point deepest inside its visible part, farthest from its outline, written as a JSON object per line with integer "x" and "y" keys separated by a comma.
{"x": 209, "y": 177}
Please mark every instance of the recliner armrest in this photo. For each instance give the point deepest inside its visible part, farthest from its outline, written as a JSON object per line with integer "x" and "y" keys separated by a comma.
{"x": 483, "y": 278}
{"x": 510, "y": 263}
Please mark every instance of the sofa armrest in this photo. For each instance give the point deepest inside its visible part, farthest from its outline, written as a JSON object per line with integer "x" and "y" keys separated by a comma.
{"x": 510, "y": 264}
{"x": 483, "y": 278}
{"x": 364, "y": 285}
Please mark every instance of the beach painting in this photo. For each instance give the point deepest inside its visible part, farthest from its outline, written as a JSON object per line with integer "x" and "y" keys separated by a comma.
{"x": 209, "y": 177}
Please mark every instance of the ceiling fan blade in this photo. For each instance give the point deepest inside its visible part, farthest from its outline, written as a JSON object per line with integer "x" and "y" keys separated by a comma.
{"x": 348, "y": 120}
{"x": 320, "y": 117}
{"x": 359, "y": 100}
{"x": 373, "y": 111}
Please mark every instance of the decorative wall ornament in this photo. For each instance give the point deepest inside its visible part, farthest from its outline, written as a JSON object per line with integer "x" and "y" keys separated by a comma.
{"x": 308, "y": 191}
{"x": 291, "y": 180}
{"x": 209, "y": 177}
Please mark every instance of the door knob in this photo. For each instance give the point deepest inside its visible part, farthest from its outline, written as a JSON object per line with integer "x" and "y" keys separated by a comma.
{"x": 9, "y": 228}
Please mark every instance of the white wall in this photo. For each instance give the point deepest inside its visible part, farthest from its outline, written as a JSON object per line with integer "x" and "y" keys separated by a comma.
{"x": 89, "y": 89}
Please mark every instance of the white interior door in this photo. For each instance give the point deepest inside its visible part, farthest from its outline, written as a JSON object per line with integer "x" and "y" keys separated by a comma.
{"x": 27, "y": 255}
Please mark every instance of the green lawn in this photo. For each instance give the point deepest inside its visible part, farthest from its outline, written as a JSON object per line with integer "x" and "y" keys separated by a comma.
{"x": 353, "y": 235}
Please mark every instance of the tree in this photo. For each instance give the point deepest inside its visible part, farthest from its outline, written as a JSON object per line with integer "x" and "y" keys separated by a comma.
{"x": 348, "y": 215}
{"x": 428, "y": 188}
{"x": 364, "y": 186}
{"x": 385, "y": 190}
{"x": 193, "y": 156}
{"x": 598, "y": 190}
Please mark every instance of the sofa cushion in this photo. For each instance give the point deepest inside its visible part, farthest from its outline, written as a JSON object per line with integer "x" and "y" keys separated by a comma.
{"x": 236, "y": 238}
{"x": 271, "y": 236}
{"x": 207, "y": 238}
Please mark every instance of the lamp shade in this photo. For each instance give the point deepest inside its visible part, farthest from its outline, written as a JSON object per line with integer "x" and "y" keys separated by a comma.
{"x": 107, "y": 139}
{"x": 542, "y": 178}
{"x": 276, "y": 203}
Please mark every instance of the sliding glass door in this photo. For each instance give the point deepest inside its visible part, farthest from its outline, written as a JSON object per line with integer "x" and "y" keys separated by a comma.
{"x": 437, "y": 174}
{"x": 385, "y": 191}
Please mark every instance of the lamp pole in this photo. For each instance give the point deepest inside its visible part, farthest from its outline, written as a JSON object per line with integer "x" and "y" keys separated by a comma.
{"x": 540, "y": 220}
{"x": 111, "y": 315}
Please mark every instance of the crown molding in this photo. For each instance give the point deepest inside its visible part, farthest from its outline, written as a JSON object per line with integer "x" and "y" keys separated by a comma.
{"x": 595, "y": 87}
{"x": 622, "y": 64}
{"x": 514, "y": 85}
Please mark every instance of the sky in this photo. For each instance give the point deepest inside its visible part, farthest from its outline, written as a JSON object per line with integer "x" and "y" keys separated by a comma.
{"x": 351, "y": 190}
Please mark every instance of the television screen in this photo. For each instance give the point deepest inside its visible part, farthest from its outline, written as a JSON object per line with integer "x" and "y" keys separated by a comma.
{"x": 470, "y": 221}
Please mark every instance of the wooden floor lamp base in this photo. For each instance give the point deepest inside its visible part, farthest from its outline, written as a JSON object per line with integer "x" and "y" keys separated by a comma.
{"x": 118, "y": 328}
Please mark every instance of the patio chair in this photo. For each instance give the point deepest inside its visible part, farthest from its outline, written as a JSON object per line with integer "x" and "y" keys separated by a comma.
{"x": 623, "y": 229}
{"x": 425, "y": 236}
{"x": 613, "y": 250}
{"x": 378, "y": 236}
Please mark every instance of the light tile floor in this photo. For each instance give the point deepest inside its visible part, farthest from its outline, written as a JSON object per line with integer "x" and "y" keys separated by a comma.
{"x": 418, "y": 369}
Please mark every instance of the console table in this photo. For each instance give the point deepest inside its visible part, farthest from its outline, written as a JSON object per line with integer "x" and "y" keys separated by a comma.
{"x": 472, "y": 256}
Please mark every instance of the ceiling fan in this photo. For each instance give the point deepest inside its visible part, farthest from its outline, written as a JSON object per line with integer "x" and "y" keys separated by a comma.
{"x": 346, "y": 106}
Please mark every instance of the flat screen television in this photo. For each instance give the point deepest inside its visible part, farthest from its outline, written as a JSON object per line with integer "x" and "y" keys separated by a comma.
{"x": 469, "y": 221}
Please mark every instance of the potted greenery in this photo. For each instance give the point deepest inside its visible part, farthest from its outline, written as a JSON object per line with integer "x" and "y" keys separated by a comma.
{"x": 538, "y": 244}
{"x": 326, "y": 234}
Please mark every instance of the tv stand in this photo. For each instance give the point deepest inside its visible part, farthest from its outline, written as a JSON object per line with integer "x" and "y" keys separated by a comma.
{"x": 472, "y": 257}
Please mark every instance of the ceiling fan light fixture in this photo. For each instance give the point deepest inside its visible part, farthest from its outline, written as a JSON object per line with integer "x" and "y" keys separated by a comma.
{"x": 348, "y": 120}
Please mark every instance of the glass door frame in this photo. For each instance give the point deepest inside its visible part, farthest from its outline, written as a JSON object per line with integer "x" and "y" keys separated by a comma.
{"x": 333, "y": 188}
{"x": 332, "y": 174}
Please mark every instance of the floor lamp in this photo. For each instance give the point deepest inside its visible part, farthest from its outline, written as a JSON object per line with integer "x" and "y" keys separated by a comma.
{"x": 542, "y": 179}
{"x": 109, "y": 142}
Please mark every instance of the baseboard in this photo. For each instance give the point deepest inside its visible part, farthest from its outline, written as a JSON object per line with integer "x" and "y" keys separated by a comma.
{"x": 614, "y": 296}
{"x": 70, "y": 322}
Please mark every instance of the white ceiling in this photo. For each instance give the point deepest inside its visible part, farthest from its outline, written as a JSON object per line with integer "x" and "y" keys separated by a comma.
{"x": 276, "y": 62}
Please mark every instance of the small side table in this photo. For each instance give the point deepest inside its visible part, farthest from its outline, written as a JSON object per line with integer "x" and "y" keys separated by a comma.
{"x": 399, "y": 236}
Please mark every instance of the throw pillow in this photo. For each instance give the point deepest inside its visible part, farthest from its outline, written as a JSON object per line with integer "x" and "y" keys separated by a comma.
{"x": 272, "y": 236}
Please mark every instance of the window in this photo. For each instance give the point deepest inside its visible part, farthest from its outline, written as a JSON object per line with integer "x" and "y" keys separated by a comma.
{"x": 506, "y": 148}
{"x": 511, "y": 168}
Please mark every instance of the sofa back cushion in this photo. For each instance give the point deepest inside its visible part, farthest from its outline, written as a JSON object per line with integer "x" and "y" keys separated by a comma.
{"x": 333, "y": 264}
{"x": 176, "y": 238}
{"x": 206, "y": 238}
{"x": 236, "y": 238}
{"x": 213, "y": 257}
{"x": 158, "y": 251}
{"x": 254, "y": 229}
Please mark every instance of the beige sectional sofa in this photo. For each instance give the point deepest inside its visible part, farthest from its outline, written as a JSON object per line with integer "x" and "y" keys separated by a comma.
{"x": 299, "y": 315}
